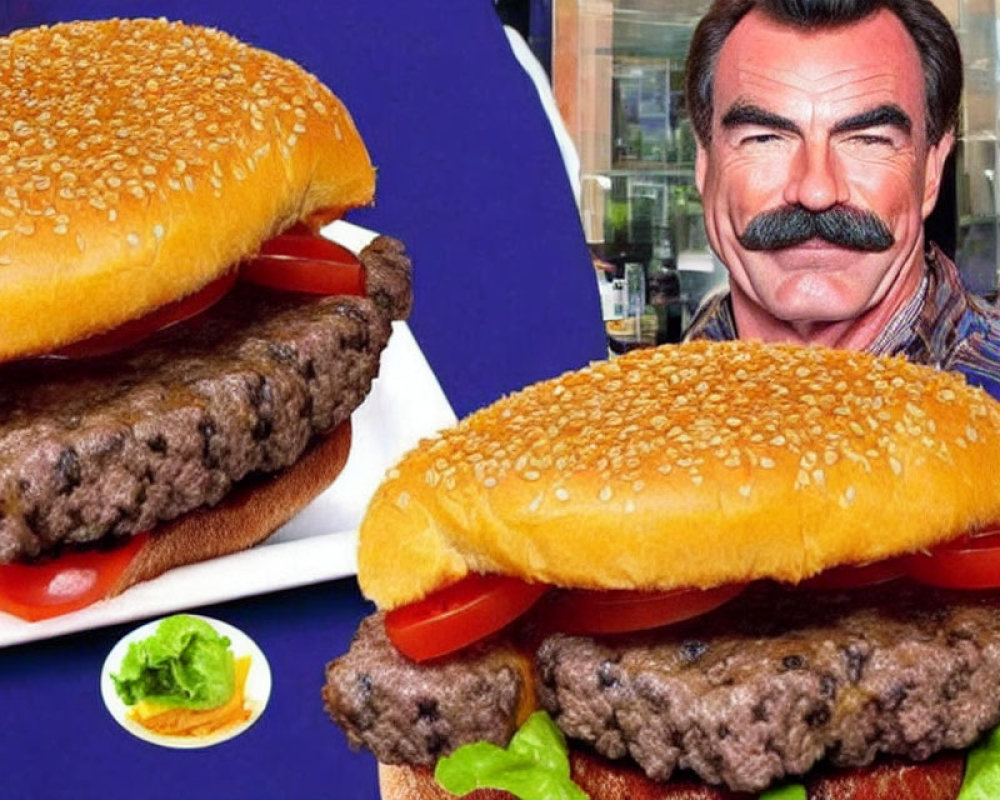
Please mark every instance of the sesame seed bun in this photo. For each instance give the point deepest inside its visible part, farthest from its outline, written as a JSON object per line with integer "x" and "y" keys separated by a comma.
{"x": 692, "y": 465}
{"x": 140, "y": 159}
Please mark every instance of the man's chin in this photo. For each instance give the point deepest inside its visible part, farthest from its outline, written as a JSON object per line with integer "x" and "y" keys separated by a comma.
{"x": 823, "y": 321}
{"x": 815, "y": 298}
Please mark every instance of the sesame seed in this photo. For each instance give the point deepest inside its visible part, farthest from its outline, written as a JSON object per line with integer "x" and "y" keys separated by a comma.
{"x": 848, "y": 497}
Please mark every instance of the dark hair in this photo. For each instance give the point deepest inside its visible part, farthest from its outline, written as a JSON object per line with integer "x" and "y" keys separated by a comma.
{"x": 927, "y": 26}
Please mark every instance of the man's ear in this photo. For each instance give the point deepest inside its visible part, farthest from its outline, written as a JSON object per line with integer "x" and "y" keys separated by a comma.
{"x": 937, "y": 155}
{"x": 700, "y": 166}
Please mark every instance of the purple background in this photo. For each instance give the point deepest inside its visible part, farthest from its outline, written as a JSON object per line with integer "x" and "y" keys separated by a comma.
{"x": 470, "y": 178}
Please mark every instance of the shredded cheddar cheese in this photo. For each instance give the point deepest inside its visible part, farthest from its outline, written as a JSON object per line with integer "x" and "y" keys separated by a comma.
{"x": 171, "y": 721}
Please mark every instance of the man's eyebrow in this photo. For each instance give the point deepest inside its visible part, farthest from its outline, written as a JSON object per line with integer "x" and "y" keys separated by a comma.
{"x": 749, "y": 114}
{"x": 887, "y": 114}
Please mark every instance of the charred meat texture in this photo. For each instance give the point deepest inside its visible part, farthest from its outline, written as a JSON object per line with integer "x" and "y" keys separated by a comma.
{"x": 389, "y": 279}
{"x": 111, "y": 446}
{"x": 753, "y": 693}
{"x": 770, "y": 688}
{"x": 409, "y": 714}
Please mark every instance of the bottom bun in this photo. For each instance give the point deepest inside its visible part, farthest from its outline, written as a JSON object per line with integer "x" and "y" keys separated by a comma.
{"x": 600, "y": 778}
{"x": 250, "y": 513}
{"x": 936, "y": 779}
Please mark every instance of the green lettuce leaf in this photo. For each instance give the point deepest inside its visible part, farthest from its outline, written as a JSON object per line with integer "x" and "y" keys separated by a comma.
{"x": 184, "y": 663}
{"x": 982, "y": 770}
{"x": 790, "y": 791}
{"x": 535, "y": 765}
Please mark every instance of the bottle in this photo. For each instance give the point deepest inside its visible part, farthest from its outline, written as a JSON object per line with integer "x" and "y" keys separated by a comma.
{"x": 635, "y": 296}
{"x": 618, "y": 298}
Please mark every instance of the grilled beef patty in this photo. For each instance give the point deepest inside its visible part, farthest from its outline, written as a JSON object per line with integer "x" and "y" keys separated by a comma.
{"x": 111, "y": 446}
{"x": 411, "y": 714}
{"x": 762, "y": 689}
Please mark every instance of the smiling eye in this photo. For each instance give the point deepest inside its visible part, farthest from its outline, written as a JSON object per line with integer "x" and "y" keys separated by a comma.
{"x": 758, "y": 138}
{"x": 871, "y": 140}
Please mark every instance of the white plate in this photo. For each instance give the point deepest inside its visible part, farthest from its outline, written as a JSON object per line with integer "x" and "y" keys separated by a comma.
{"x": 406, "y": 403}
{"x": 257, "y": 688}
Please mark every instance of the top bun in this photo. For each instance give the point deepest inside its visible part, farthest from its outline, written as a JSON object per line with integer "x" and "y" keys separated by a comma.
{"x": 140, "y": 159}
{"x": 690, "y": 465}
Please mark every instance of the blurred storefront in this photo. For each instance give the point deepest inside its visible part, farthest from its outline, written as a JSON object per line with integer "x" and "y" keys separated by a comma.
{"x": 617, "y": 71}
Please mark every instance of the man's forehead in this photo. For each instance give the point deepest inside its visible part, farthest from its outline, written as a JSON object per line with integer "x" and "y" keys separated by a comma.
{"x": 870, "y": 61}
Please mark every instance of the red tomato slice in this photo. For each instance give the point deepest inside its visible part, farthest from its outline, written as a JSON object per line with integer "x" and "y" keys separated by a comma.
{"x": 299, "y": 261}
{"x": 136, "y": 330}
{"x": 619, "y": 611}
{"x": 936, "y": 778}
{"x": 969, "y": 562}
{"x": 69, "y": 582}
{"x": 459, "y": 615}
{"x": 855, "y": 576}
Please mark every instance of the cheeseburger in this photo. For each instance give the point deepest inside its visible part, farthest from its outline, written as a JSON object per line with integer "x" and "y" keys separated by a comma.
{"x": 717, "y": 568}
{"x": 181, "y": 352}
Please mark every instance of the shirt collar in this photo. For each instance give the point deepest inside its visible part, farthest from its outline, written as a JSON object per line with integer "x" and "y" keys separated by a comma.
{"x": 903, "y": 322}
{"x": 926, "y": 329}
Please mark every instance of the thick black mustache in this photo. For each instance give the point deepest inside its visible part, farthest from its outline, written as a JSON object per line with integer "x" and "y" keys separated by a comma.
{"x": 843, "y": 226}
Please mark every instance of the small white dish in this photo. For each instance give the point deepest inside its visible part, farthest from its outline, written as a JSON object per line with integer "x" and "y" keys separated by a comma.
{"x": 257, "y": 689}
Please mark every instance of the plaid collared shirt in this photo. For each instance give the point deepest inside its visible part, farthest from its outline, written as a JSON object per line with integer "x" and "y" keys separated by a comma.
{"x": 943, "y": 325}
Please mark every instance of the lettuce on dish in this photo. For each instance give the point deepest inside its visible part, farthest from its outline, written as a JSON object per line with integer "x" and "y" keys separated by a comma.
{"x": 186, "y": 663}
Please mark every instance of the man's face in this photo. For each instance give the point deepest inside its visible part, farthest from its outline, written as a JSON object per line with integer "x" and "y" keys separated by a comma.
{"x": 832, "y": 121}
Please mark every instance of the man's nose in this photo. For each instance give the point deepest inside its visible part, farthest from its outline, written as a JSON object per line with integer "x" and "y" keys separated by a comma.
{"x": 816, "y": 181}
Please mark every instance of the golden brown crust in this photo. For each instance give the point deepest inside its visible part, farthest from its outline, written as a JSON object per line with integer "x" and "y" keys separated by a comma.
{"x": 399, "y": 782}
{"x": 139, "y": 159}
{"x": 245, "y": 516}
{"x": 691, "y": 465}
{"x": 938, "y": 778}
{"x": 599, "y": 778}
